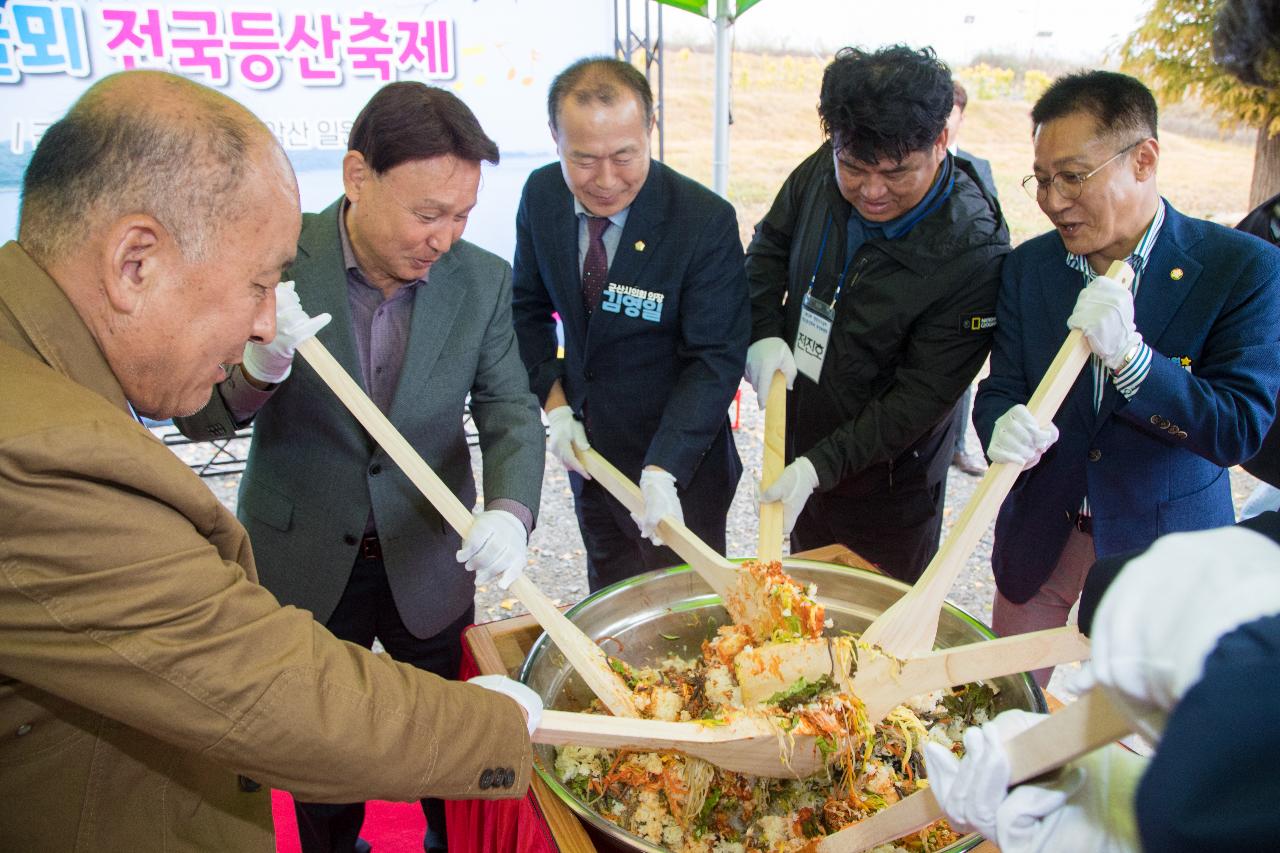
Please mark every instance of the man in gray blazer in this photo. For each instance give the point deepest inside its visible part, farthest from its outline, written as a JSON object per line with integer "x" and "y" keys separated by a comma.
{"x": 421, "y": 319}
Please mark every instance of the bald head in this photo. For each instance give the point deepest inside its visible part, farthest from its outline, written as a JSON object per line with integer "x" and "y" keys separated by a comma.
{"x": 165, "y": 212}
{"x": 144, "y": 142}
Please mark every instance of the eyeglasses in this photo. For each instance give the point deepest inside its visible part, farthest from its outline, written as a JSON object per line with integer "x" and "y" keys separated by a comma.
{"x": 1070, "y": 184}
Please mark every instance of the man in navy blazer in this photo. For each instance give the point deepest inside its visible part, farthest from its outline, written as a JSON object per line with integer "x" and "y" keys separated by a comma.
{"x": 1185, "y": 368}
{"x": 645, "y": 269}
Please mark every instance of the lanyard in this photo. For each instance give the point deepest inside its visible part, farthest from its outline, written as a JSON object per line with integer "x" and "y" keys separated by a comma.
{"x": 822, "y": 250}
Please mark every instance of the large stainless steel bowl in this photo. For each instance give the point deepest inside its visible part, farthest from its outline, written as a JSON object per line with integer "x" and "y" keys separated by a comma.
{"x": 637, "y": 619}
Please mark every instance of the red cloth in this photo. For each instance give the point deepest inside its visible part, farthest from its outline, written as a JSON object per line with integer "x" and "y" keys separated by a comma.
{"x": 495, "y": 826}
{"x": 475, "y": 826}
{"x": 389, "y": 827}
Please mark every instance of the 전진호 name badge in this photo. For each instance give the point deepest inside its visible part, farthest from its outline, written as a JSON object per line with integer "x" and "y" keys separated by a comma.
{"x": 811, "y": 338}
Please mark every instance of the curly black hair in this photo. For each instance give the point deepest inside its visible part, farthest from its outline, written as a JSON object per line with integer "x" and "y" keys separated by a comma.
{"x": 1246, "y": 40}
{"x": 886, "y": 104}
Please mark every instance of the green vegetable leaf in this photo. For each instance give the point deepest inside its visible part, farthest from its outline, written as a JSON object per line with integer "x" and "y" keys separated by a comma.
{"x": 799, "y": 693}
{"x": 967, "y": 700}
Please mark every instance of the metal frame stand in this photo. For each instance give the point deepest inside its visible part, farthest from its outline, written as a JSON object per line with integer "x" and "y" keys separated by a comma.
{"x": 628, "y": 40}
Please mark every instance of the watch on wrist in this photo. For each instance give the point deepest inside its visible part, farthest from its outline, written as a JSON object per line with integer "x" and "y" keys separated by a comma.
{"x": 1129, "y": 356}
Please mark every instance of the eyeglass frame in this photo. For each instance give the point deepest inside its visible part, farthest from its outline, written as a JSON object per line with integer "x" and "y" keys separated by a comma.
{"x": 1078, "y": 185}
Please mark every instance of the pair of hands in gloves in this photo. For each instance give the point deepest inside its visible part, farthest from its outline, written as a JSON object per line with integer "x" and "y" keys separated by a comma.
{"x": 1156, "y": 625}
{"x": 1086, "y": 808}
{"x": 1104, "y": 314}
{"x": 495, "y": 547}
{"x": 798, "y": 480}
{"x": 658, "y": 487}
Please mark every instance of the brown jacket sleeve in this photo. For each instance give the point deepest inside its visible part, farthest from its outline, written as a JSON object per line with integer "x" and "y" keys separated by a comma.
{"x": 126, "y": 588}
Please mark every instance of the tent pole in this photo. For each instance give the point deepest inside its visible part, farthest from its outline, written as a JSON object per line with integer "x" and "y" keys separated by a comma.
{"x": 720, "y": 121}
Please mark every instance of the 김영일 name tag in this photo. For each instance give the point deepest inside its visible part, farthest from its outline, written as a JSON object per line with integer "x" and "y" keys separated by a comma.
{"x": 811, "y": 338}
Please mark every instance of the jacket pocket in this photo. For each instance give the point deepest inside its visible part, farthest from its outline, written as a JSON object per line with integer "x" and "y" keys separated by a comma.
{"x": 265, "y": 505}
{"x": 1196, "y": 511}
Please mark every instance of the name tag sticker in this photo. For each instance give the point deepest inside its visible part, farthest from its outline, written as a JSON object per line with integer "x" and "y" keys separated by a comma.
{"x": 811, "y": 338}
{"x": 977, "y": 322}
{"x": 633, "y": 302}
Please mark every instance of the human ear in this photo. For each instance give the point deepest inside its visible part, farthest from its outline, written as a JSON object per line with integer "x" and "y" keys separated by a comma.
{"x": 940, "y": 144}
{"x": 354, "y": 172}
{"x": 132, "y": 255}
{"x": 1146, "y": 158}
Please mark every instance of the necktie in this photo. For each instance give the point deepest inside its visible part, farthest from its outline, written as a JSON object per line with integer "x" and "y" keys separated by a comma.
{"x": 595, "y": 267}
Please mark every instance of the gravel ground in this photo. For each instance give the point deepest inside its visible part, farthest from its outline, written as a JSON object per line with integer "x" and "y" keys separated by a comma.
{"x": 557, "y": 563}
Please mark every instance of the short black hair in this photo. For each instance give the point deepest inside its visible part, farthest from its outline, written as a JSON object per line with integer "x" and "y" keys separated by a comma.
{"x": 890, "y": 103}
{"x": 1246, "y": 40}
{"x": 413, "y": 121}
{"x": 1120, "y": 104}
{"x": 597, "y": 79}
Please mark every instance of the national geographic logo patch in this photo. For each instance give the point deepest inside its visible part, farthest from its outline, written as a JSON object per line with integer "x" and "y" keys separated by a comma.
{"x": 977, "y": 322}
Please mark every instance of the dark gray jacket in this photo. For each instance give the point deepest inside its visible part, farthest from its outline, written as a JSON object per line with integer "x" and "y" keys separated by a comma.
{"x": 913, "y": 325}
{"x": 314, "y": 473}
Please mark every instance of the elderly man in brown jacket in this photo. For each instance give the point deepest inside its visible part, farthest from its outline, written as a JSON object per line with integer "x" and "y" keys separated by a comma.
{"x": 142, "y": 668}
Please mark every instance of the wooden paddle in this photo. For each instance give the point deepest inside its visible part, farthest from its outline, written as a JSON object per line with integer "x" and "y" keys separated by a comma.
{"x": 910, "y": 625}
{"x": 744, "y": 595}
{"x": 720, "y": 574}
{"x": 775, "y": 438}
{"x": 883, "y": 683}
{"x": 750, "y": 745}
{"x": 583, "y": 654}
{"x": 1090, "y": 722}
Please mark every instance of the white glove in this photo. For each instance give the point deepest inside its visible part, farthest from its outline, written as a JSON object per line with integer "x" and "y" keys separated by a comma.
{"x": 764, "y": 358}
{"x": 272, "y": 362}
{"x": 1088, "y": 808}
{"x": 566, "y": 433}
{"x": 1166, "y": 610}
{"x": 531, "y": 702}
{"x": 1104, "y": 312}
{"x": 1018, "y": 439}
{"x": 793, "y": 487}
{"x": 971, "y": 791}
{"x": 495, "y": 547}
{"x": 658, "y": 488}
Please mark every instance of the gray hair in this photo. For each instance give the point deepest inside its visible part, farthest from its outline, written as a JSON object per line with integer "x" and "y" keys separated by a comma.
{"x": 137, "y": 142}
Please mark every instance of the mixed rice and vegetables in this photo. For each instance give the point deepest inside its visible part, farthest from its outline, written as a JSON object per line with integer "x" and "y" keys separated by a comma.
{"x": 687, "y": 805}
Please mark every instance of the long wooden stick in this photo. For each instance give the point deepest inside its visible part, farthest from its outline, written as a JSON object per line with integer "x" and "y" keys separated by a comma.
{"x": 744, "y": 744}
{"x": 775, "y": 437}
{"x": 882, "y": 684}
{"x": 720, "y": 574}
{"x": 1088, "y": 723}
{"x": 584, "y": 655}
{"x": 910, "y": 625}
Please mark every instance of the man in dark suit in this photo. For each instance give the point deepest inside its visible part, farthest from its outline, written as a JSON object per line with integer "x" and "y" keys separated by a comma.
{"x": 954, "y": 122}
{"x": 421, "y": 320}
{"x": 962, "y": 459}
{"x": 1264, "y": 221}
{"x": 644, "y": 267}
{"x": 1186, "y": 365}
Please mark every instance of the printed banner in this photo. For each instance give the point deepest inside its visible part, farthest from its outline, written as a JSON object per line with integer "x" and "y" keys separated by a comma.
{"x": 306, "y": 70}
